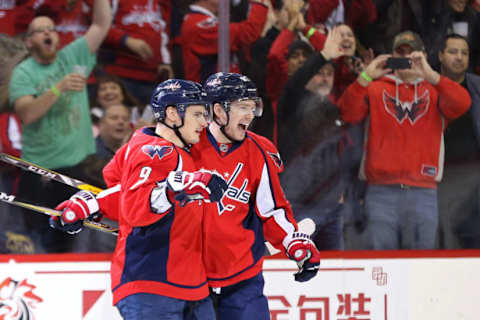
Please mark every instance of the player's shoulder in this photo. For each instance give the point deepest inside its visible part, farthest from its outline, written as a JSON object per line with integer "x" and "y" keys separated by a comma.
{"x": 147, "y": 147}
{"x": 263, "y": 142}
{"x": 267, "y": 148}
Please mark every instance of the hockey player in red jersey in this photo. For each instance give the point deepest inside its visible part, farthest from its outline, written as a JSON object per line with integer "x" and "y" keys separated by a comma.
{"x": 157, "y": 269}
{"x": 252, "y": 210}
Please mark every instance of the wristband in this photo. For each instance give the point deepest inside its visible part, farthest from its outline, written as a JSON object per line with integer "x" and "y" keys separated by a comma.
{"x": 55, "y": 91}
{"x": 365, "y": 76}
{"x": 310, "y": 32}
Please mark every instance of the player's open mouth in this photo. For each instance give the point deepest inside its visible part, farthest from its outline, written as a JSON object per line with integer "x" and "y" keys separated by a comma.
{"x": 48, "y": 41}
{"x": 243, "y": 126}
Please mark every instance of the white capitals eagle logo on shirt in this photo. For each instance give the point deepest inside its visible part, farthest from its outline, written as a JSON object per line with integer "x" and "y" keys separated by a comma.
{"x": 411, "y": 110}
{"x": 234, "y": 193}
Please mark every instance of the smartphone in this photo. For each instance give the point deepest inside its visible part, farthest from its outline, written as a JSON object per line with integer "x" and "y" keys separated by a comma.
{"x": 398, "y": 63}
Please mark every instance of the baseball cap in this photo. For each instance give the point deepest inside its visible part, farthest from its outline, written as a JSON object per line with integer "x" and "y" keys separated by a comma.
{"x": 409, "y": 38}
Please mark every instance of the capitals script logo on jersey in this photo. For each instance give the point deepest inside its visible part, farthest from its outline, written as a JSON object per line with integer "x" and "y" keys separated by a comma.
{"x": 159, "y": 151}
{"x": 411, "y": 110}
{"x": 17, "y": 300}
{"x": 234, "y": 193}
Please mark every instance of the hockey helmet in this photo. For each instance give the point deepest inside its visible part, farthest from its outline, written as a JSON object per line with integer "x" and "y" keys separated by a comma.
{"x": 179, "y": 94}
{"x": 226, "y": 87}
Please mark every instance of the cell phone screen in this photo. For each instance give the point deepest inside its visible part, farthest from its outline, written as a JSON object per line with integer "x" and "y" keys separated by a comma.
{"x": 398, "y": 63}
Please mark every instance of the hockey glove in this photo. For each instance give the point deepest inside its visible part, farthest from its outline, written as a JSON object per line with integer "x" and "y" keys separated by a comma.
{"x": 82, "y": 205}
{"x": 302, "y": 250}
{"x": 198, "y": 185}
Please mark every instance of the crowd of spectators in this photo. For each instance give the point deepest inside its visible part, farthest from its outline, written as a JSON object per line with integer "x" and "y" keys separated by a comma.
{"x": 378, "y": 158}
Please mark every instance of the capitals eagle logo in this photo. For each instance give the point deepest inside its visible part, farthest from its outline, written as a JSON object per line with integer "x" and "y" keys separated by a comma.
{"x": 276, "y": 159}
{"x": 159, "y": 151}
{"x": 411, "y": 110}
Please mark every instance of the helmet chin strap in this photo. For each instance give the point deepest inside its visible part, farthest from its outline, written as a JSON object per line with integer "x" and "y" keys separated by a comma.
{"x": 176, "y": 130}
{"x": 222, "y": 128}
{"x": 186, "y": 145}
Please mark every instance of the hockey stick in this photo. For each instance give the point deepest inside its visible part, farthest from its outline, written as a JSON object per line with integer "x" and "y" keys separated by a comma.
{"x": 25, "y": 165}
{"x": 51, "y": 212}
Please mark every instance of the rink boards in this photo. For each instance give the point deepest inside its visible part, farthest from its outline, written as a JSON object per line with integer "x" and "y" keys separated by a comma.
{"x": 390, "y": 285}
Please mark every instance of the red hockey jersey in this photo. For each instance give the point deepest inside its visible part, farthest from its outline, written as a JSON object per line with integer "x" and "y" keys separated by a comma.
{"x": 7, "y": 18}
{"x": 252, "y": 210}
{"x": 72, "y": 20}
{"x": 15, "y": 16}
{"x": 159, "y": 246}
{"x": 199, "y": 39}
{"x": 144, "y": 19}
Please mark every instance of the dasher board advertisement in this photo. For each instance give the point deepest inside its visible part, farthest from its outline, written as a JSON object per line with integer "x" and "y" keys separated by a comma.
{"x": 406, "y": 285}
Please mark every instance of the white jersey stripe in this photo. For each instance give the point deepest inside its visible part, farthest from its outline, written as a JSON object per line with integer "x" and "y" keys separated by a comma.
{"x": 266, "y": 204}
{"x": 106, "y": 192}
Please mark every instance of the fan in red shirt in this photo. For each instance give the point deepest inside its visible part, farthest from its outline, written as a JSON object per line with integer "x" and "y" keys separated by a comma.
{"x": 199, "y": 37}
{"x": 403, "y": 157}
{"x": 137, "y": 45}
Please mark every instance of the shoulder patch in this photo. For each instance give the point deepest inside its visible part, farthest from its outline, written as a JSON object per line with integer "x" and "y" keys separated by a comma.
{"x": 160, "y": 151}
{"x": 276, "y": 159}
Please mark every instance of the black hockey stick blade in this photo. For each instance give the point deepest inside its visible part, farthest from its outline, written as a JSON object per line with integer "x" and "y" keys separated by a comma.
{"x": 25, "y": 165}
{"x": 52, "y": 212}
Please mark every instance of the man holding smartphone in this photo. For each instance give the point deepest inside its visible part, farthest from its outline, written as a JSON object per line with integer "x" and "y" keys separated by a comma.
{"x": 403, "y": 158}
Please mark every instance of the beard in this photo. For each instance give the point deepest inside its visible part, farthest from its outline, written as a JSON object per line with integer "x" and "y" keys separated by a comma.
{"x": 45, "y": 53}
{"x": 323, "y": 92}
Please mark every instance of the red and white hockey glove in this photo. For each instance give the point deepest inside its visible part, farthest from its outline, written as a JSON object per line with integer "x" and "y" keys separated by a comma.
{"x": 80, "y": 206}
{"x": 198, "y": 185}
{"x": 302, "y": 250}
